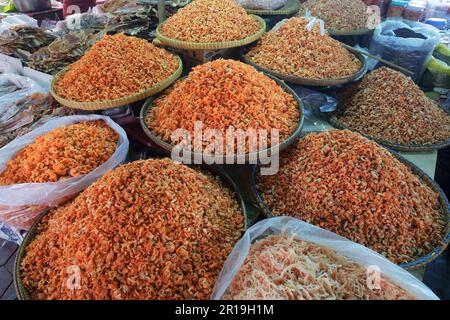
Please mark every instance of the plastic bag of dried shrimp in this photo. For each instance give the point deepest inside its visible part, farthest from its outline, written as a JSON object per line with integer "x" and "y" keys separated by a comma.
{"x": 262, "y": 4}
{"x": 285, "y": 258}
{"x": 22, "y": 203}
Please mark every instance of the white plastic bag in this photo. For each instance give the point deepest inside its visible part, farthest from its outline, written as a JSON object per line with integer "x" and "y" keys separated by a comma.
{"x": 14, "y": 87}
{"x": 6, "y": 67}
{"x": 21, "y": 204}
{"x": 410, "y": 53}
{"x": 262, "y": 4}
{"x": 316, "y": 235}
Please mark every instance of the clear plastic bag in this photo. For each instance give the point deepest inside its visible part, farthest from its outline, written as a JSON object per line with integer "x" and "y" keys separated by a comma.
{"x": 312, "y": 22}
{"x": 17, "y": 19}
{"x": 316, "y": 235}
{"x": 410, "y": 53}
{"x": 21, "y": 204}
{"x": 6, "y": 67}
{"x": 262, "y": 4}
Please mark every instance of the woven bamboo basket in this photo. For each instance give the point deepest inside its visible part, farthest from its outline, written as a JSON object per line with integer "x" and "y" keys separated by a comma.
{"x": 211, "y": 45}
{"x": 242, "y": 176}
{"x": 109, "y": 104}
{"x": 166, "y": 147}
{"x": 291, "y": 7}
{"x": 444, "y": 209}
{"x": 307, "y": 81}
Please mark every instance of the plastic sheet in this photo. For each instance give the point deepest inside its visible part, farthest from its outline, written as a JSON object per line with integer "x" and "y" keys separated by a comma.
{"x": 307, "y": 232}
{"x": 410, "y": 53}
{"x": 21, "y": 204}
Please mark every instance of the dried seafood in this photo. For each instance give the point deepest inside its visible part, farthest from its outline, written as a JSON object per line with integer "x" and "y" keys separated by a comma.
{"x": 345, "y": 183}
{"x": 150, "y": 229}
{"x": 293, "y": 50}
{"x": 69, "y": 151}
{"x": 338, "y": 14}
{"x": 22, "y": 41}
{"x": 115, "y": 67}
{"x": 223, "y": 94}
{"x": 210, "y": 21}
{"x": 28, "y": 113}
{"x": 389, "y": 106}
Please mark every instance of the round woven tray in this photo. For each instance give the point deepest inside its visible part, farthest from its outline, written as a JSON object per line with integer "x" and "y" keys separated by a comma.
{"x": 109, "y": 104}
{"x": 291, "y": 7}
{"x": 444, "y": 209}
{"x": 334, "y": 121}
{"x": 211, "y": 45}
{"x": 306, "y": 81}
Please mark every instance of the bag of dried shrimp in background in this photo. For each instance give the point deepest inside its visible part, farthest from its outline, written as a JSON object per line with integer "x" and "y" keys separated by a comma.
{"x": 22, "y": 203}
{"x": 285, "y": 258}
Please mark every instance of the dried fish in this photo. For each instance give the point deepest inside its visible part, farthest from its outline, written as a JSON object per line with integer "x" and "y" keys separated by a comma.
{"x": 63, "y": 51}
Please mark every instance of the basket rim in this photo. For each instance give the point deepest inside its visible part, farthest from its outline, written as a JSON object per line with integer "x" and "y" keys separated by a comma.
{"x": 291, "y": 7}
{"x": 119, "y": 102}
{"x": 423, "y": 177}
{"x": 21, "y": 291}
{"x": 211, "y": 45}
{"x": 307, "y": 81}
